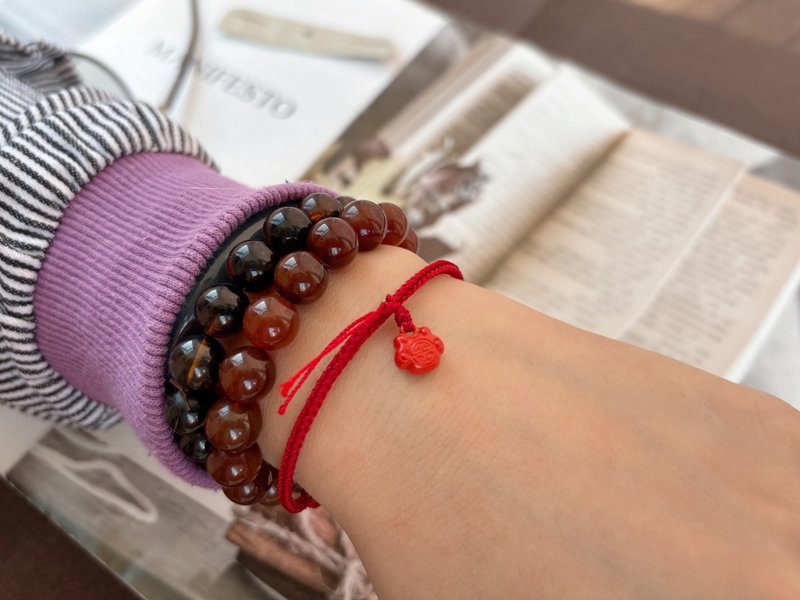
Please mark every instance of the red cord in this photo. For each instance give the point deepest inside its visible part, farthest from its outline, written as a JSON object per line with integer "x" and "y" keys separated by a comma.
{"x": 350, "y": 339}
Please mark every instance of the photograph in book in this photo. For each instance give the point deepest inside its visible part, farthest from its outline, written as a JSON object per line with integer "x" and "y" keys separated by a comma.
{"x": 162, "y": 542}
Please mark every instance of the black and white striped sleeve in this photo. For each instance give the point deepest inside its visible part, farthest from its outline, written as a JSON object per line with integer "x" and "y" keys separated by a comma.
{"x": 55, "y": 136}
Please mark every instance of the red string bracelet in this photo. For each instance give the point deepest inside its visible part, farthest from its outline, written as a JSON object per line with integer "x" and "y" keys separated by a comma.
{"x": 417, "y": 350}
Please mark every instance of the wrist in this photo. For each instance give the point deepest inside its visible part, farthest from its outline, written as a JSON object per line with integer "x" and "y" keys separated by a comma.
{"x": 352, "y": 292}
{"x": 376, "y": 417}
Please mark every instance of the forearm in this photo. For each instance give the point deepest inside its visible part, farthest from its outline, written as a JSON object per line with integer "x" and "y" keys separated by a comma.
{"x": 527, "y": 455}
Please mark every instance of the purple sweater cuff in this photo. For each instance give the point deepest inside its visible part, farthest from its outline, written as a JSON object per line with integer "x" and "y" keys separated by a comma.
{"x": 127, "y": 252}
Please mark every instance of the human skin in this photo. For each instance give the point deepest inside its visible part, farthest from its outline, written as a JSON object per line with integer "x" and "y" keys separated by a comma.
{"x": 539, "y": 460}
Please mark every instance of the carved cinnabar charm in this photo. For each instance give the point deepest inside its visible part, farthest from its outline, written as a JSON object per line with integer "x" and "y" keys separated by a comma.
{"x": 418, "y": 351}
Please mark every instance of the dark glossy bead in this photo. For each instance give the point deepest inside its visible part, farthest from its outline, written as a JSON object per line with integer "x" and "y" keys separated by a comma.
{"x": 411, "y": 242}
{"x": 344, "y": 201}
{"x": 183, "y": 413}
{"x": 250, "y": 265}
{"x": 256, "y": 490}
{"x": 271, "y": 322}
{"x": 368, "y": 221}
{"x": 300, "y": 278}
{"x": 396, "y": 224}
{"x": 196, "y": 446}
{"x": 333, "y": 242}
{"x": 233, "y": 426}
{"x": 219, "y": 310}
{"x": 194, "y": 362}
{"x": 286, "y": 229}
{"x": 246, "y": 374}
{"x": 270, "y": 497}
{"x": 297, "y": 490}
{"x": 320, "y": 206}
{"x": 232, "y": 470}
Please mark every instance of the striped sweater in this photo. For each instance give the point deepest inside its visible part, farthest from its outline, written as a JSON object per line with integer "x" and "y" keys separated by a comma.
{"x": 55, "y": 136}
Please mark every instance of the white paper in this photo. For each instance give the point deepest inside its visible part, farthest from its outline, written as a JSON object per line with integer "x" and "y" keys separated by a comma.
{"x": 263, "y": 113}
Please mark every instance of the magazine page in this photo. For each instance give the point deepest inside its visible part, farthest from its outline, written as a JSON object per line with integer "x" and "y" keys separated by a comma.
{"x": 527, "y": 163}
{"x": 264, "y": 112}
{"x": 715, "y": 309}
{"x": 468, "y": 100}
{"x": 411, "y": 153}
{"x": 599, "y": 258}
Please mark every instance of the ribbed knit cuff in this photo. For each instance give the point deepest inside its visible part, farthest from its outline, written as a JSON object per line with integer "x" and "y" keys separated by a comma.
{"x": 127, "y": 252}
{"x": 52, "y": 145}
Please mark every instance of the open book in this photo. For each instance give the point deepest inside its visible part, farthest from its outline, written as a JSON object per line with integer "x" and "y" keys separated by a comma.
{"x": 539, "y": 190}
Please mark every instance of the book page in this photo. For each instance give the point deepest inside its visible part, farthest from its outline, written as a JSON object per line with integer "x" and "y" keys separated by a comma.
{"x": 527, "y": 163}
{"x": 712, "y": 309}
{"x": 599, "y": 258}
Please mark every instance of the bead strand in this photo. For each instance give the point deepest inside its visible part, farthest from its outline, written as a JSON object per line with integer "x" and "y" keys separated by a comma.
{"x": 212, "y": 399}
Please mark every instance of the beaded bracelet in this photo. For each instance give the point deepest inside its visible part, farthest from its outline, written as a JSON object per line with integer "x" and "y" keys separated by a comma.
{"x": 212, "y": 399}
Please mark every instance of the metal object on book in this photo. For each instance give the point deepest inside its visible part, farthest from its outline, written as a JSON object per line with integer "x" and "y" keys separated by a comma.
{"x": 294, "y": 35}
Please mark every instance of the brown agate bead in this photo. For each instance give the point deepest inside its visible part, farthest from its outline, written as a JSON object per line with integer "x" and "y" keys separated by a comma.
{"x": 194, "y": 362}
{"x": 233, "y": 426}
{"x": 396, "y": 224}
{"x": 250, "y": 265}
{"x": 286, "y": 229}
{"x": 246, "y": 374}
{"x": 368, "y": 221}
{"x": 300, "y": 278}
{"x": 271, "y": 322}
{"x": 320, "y": 206}
{"x": 219, "y": 310}
{"x": 411, "y": 242}
{"x": 256, "y": 490}
{"x": 232, "y": 470}
{"x": 333, "y": 242}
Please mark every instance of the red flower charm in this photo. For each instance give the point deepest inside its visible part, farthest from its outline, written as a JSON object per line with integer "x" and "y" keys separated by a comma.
{"x": 418, "y": 351}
